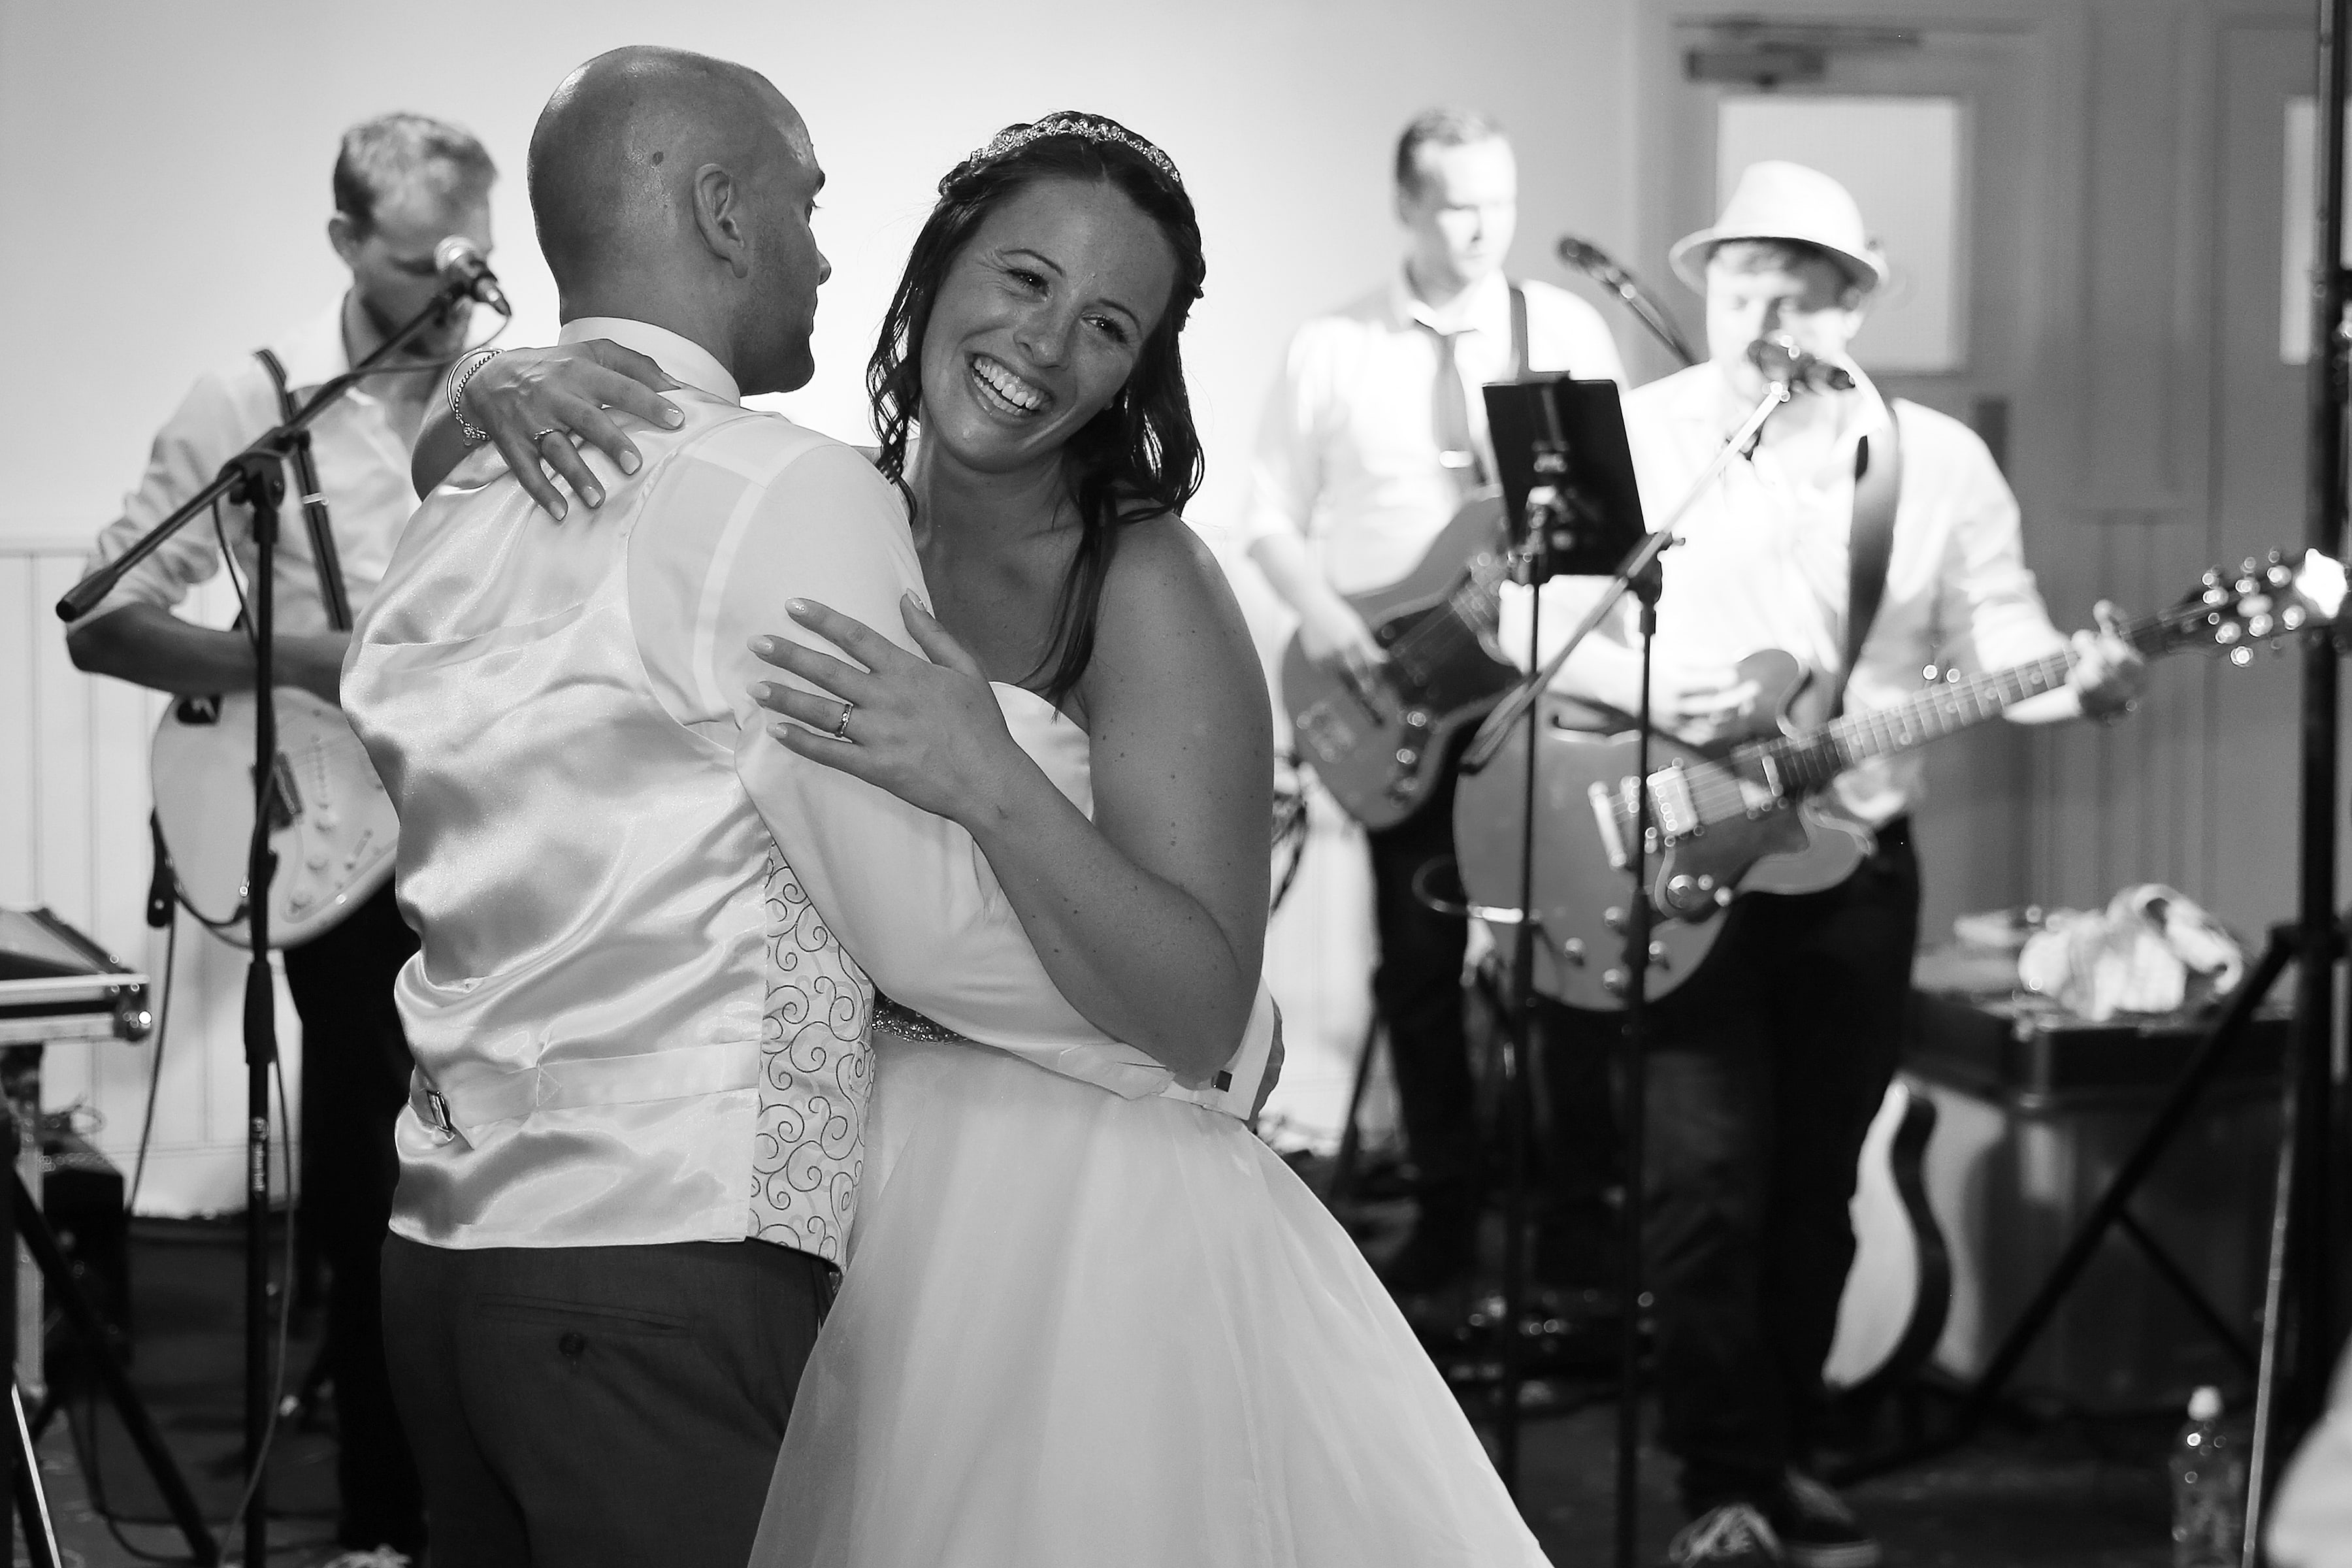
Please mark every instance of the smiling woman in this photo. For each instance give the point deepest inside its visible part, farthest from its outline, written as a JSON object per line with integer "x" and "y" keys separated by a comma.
{"x": 1058, "y": 337}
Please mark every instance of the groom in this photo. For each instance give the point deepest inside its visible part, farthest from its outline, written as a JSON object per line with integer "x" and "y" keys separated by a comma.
{"x": 630, "y": 1160}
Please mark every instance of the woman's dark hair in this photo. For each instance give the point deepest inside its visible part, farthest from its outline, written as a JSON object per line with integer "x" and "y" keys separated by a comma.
{"x": 1141, "y": 456}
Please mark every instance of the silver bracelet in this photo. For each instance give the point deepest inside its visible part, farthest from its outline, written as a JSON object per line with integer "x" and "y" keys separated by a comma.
{"x": 459, "y": 375}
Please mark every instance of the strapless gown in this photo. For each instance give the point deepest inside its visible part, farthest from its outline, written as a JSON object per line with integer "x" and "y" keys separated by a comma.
{"x": 1077, "y": 1331}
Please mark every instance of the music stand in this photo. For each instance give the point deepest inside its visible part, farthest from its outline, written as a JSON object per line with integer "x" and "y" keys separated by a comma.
{"x": 1572, "y": 509}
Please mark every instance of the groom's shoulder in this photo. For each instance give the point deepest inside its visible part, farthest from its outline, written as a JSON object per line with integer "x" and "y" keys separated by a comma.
{"x": 758, "y": 443}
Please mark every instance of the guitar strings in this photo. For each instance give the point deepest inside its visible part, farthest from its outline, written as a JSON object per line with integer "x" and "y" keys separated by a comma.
{"x": 1718, "y": 791}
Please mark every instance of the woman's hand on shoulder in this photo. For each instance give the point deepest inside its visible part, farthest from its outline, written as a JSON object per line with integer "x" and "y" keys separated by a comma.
{"x": 525, "y": 396}
{"x": 926, "y": 728}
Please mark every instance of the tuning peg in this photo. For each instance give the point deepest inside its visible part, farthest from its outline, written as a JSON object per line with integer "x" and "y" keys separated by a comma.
{"x": 2292, "y": 617}
{"x": 2250, "y": 566}
{"x": 2241, "y": 656}
{"x": 2213, "y": 578}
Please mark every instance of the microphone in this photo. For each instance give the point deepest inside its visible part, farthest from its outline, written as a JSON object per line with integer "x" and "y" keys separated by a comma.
{"x": 466, "y": 274}
{"x": 1783, "y": 363}
{"x": 1587, "y": 257}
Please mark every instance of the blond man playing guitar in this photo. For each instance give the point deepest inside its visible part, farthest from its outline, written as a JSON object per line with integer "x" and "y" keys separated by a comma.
{"x": 1372, "y": 436}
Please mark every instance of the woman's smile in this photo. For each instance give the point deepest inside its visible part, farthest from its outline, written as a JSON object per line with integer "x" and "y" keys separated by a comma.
{"x": 1004, "y": 393}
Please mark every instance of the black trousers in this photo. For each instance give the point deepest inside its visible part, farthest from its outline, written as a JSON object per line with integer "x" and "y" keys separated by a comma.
{"x": 1417, "y": 991}
{"x": 1765, "y": 1071}
{"x": 599, "y": 1406}
{"x": 355, "y": 1069}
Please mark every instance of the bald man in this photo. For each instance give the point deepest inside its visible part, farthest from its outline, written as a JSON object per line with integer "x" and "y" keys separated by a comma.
{"x": 630, "y": 1151}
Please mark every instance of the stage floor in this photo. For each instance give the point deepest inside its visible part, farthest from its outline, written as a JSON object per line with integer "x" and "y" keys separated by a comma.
{"x": 2073, "y": 1494}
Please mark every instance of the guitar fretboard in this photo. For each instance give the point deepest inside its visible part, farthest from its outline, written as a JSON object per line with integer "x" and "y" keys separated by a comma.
{"x": 1805, "y": 764}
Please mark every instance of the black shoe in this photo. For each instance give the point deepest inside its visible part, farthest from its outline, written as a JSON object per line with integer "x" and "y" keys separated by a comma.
{"x": 1734, "y": 1535}
{"x": 1818, "y": 1529}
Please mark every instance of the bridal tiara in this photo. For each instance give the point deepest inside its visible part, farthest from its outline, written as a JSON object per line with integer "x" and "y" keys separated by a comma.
{"x": 1089, "y": 128}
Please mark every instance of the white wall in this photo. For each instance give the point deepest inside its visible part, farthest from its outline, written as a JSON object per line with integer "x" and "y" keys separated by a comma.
{"x": 163, "y": 189}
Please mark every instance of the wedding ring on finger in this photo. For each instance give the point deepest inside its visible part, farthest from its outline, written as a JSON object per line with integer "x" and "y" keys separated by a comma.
{"x": 539, "y": 436}
{"x": 841, "y": 728}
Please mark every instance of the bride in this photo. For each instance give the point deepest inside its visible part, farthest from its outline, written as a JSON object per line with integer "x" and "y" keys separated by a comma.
{"x": 1075, "y": 1329}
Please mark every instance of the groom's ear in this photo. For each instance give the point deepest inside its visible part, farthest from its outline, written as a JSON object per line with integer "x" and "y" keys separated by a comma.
{"x": 719, "y": 218}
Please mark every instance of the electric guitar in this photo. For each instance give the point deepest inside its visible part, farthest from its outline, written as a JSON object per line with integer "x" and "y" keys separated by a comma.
{"x": 1381, "y": 746}
{"x": 1739, "y": 817}
{"x": 331, "y": 823}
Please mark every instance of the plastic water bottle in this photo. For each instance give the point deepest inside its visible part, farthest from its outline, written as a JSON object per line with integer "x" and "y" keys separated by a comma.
{"x": 2209, "y": 1489}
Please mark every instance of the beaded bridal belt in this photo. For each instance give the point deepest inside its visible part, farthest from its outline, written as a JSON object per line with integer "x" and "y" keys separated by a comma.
{"x": 907, "y": 1024}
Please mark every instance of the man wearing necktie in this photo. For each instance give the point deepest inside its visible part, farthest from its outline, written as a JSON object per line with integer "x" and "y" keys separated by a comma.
{"x": 1372, "y": 437}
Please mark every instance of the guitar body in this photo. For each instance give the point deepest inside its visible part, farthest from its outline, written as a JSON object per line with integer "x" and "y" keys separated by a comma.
{"x": 334, "y": 830}
{"x": 1581, "y": 890}
{"x": 1382, "y": 754}
{"x": 1899, "y": 1291}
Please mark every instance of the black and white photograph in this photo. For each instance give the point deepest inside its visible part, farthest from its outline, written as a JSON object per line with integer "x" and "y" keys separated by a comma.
{"x": 1325, "y": 784}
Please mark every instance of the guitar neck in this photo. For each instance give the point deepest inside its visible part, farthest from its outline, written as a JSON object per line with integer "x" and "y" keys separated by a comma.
{"x": 1806, "y": 764}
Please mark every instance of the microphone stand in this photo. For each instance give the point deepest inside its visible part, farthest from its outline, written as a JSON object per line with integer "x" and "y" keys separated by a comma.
{"x": 1637, "y": 574}
{"x": 256, "y": 477}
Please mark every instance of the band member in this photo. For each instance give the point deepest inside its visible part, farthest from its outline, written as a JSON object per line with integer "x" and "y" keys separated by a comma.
{"x": 1371, "y": 439}
{"x": 1766, "y": 1068}
{"x": 402, "y": 184}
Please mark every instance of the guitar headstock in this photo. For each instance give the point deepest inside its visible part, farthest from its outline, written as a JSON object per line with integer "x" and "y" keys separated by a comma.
{"x": 2263, "y": 600}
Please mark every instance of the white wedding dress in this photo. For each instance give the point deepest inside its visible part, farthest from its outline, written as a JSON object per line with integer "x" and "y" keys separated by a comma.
{"x": 1077, "y": 1331}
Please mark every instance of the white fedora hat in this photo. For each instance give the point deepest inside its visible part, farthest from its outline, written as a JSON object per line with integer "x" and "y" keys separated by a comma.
{"x": 1785, "y": 201}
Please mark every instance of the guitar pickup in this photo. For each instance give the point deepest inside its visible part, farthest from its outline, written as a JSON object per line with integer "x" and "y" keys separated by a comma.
{"x": 1604, "y": 811}
{"x": 1677, "y": 814}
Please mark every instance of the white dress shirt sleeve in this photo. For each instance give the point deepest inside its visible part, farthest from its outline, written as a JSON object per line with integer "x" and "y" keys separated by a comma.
{"x": 210, "y": 427}
{"x": 1987, "y": 609}
{"x": 1286, "y": 466}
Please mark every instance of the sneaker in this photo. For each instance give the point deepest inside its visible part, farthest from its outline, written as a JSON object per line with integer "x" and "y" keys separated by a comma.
{"x": 1818, "y": 1530}
{"x": 1734, "y": 1535}
{"x": 374, "y": 1557}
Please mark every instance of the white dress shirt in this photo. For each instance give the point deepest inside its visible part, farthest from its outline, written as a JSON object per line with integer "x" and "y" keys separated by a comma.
{"x": 640, "y": 1000}
{"x": 1765, "y": 553}
{"x": 1347, "y": 452}
{"x": 362, "y": 466}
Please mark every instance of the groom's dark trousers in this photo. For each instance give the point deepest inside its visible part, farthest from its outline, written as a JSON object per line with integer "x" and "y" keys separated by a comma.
{"x": 579, "y": 1407}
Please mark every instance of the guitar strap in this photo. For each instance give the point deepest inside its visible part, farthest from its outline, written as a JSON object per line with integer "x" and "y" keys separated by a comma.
{"x": 314, "y": 506}
{"x": 1519, "y": 333}
{"x": 1877, "y": 485}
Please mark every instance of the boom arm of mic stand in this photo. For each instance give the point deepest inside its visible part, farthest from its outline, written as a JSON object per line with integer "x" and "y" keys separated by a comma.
{"x": 1639, "y": 560}
{"x": 1620, "y": 282}
{"x": 85, "y": 596}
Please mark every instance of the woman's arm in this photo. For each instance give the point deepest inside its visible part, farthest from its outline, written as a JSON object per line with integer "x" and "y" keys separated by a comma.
{"x": 526, "y": 392}
{"x": 1150, "y": 918}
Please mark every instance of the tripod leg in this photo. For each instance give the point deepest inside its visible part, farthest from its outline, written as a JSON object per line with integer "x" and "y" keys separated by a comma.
{"x": 135, "y": 1419}
{"x": 32, "y": 1499}
{"x": 2258, "y": 1464}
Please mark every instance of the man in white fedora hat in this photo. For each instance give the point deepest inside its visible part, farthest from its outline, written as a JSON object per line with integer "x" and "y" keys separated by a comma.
{"x": 1871, "y": 539}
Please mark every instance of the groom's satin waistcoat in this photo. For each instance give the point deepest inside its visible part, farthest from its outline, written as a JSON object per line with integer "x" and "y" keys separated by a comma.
{"x": 610, "y": 933}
